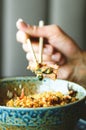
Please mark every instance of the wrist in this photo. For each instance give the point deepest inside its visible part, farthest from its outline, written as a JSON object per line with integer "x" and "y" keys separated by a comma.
{"x": 81, "y": 69}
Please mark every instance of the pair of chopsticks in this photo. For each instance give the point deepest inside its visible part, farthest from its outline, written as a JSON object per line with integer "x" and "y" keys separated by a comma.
{"x": 41, "y": 23}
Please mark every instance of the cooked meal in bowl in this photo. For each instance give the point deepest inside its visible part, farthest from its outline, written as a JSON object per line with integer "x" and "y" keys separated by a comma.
{"x": 44, "y": 99}
{"x": 27, "y": 103}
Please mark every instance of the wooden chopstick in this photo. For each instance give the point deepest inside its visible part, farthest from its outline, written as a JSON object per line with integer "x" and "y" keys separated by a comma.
{"x": 41, "y": 23}
{"x": 32, "y": 50}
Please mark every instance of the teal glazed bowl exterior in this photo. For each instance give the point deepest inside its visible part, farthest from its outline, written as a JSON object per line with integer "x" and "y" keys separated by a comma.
{"x": 49, "y": 118}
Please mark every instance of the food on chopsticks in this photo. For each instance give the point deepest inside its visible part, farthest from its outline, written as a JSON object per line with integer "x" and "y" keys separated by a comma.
{"x": 44, "y": 99}
{"x": 44, "y": 70}
{"x": 38, "y": 67}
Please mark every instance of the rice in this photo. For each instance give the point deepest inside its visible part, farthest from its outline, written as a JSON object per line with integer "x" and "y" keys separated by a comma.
{"x": 45, "y": 99}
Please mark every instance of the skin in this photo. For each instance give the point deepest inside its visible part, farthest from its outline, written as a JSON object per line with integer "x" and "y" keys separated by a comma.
{"x": 59, "y": 48}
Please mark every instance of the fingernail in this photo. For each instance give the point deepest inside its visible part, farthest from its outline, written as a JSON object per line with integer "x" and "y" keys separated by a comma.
{"x": 18, "y": 22}
{"x": 54, "y": 57}
{"x": 48, "y": 49}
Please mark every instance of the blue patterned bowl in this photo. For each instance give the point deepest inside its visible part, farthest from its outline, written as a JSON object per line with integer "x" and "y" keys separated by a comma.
{"x": 49, "y": 118}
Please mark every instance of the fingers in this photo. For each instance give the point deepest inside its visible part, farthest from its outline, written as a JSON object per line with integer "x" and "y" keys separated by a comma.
{"x": 65, "y": 72}
{"x": 26, "y": 47}
{"x": 21, "y": 36}
{"x": 36, "y": 31}
{"x": 21, "y": 25}
{"x": 47, "y": 49}
{"x": 55, "y": 36}
{"x": 50, "y": 54}
{"x": 47, "y": 58}
{"x": 56, "y": 56}
{"x": 51, "y": 32}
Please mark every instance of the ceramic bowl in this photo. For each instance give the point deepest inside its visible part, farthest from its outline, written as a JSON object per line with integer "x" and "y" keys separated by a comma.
{"x": 49, "y": 118}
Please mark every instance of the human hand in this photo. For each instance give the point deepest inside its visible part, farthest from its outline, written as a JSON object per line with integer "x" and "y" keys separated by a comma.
{"x": 58, "y": 48}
